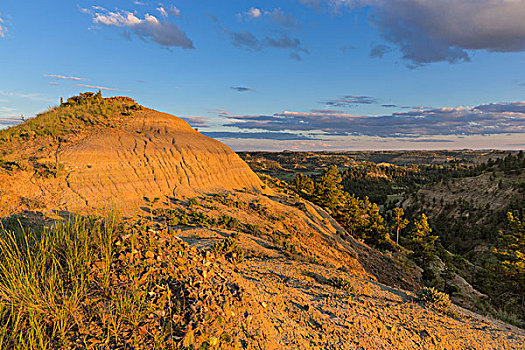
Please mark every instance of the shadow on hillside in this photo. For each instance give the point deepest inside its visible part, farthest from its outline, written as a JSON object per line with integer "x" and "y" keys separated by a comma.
{"x": 403, "y": 295}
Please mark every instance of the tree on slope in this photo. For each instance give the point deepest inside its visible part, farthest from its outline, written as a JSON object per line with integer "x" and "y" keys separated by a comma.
{"x": 329, "y": 190}
{"x": 422, "y": 242}
{"x": 399, "y": 222}
{"x": 303, "y": 184}
{"x": 511, "y": 254}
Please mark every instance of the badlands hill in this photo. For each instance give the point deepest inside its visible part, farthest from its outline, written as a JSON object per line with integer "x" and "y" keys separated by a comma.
{"x": 214, "y": 258}
{"x": 92, "y": 152}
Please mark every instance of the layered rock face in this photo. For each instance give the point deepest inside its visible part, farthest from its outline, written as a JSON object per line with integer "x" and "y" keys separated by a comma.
{"x": 143, "y": 156}
{"x": 153, "y": 155}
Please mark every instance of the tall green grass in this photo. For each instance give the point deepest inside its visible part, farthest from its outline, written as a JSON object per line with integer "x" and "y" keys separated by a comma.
{"x": 46, "y": 274}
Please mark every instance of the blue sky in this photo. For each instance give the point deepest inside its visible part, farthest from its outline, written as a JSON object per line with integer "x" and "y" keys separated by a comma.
{"x": 273, "y": 75}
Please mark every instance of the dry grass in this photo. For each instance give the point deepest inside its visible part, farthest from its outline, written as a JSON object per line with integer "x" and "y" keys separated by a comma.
{"x": 46, "y": 275}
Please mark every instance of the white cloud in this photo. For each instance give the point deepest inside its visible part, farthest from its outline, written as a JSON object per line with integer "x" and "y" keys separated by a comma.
{"x": 162, "y": 11}
{"x": 166, "y": 12}
{"x": 65, "y": 77}
{"x": 276, "y": 15}
{"x": 254, "y": 12}
{"x": 162, "y": 32}
{"x": 174, "y": 11}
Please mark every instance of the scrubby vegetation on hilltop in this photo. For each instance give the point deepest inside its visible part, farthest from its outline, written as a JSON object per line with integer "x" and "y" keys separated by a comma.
{"x": 72, "y": 119}
{"x": 33, "y": 145}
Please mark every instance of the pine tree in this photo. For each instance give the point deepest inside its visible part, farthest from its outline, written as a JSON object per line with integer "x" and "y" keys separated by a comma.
{"x": 375, "y": 231}
{"x": 303, "y": 183}
{"x": 512, "y": 251}
{"x": 329, "y": 190}
{"x": 352, "y": 215}
{"x": 422, "y": 240}
{"x": 399, "y": 222}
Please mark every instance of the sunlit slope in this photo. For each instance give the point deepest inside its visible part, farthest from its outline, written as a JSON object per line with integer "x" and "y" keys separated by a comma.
{"x": 98, "y": 152}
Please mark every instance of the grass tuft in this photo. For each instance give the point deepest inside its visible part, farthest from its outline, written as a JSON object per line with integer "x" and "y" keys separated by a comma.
{"x": 45, "y": 276}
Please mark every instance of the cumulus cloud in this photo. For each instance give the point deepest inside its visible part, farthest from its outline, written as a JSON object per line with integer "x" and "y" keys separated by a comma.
{"x": 351, "y": 100}
{"x": 283, "y": 41}
{"x": 162, "y": 32}
{"x": 244, "y": 40}
{"x": 278, "y": 39}
{"x": 276, "y": 16}
{"x": 444, "y": 30}
{"x": 162, "y": 12}
{"x": 248, "y": 41}
{"x": 241, "y": 89}
{"x": 253, "y": 12}
{"x": 166, "y": 12}
{"x": 379, "y": 50}
{"x": 495, "y": 118}
{"x": 65, "y": 77}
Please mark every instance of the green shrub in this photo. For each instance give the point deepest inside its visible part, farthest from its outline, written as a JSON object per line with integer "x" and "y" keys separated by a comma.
{"x": 252, "y": 229}
{"x": 228, "y": 221}
{"x": 230, "y": 248}
{"x": 434, "y": 298}
{"x": 193, "y": 201}
{"x": 341, "y": 283}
